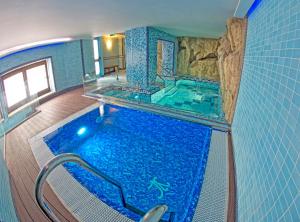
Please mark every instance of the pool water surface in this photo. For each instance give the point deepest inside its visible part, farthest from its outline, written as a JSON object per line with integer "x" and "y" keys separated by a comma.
{"x": 156, "y": 159}
{"x": 193, "y": 96}
{"x": 197, "y": 97}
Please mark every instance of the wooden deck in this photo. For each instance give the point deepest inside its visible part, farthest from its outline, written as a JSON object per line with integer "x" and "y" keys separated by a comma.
{"x": 231, "y": 211}
{"x": 21, "y": 163}
{"x": 24, "y": 169}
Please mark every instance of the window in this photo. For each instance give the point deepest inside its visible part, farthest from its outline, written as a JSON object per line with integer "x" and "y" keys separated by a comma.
{"x": 25, "y": 84}
{"x": 96, "y": 56}
{"x": 15, "y": 89}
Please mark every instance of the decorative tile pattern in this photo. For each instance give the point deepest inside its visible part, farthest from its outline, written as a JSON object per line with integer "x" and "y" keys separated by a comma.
{"x": 136, "y": 57}
{"x": 141, "y": 55}
{"x": 266, "y": 126}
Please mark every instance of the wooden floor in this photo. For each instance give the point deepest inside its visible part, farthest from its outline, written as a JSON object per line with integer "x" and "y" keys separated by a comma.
{"x": 23, "y": 168}
{"x": 21, "y": 163}
{"x": 231, "y": 211}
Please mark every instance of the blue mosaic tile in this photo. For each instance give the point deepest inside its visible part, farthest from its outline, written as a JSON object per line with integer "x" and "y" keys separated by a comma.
{"x": 170, "y": 51}
{"x": 136, "y": 57}
{"x": 141, "y": 55}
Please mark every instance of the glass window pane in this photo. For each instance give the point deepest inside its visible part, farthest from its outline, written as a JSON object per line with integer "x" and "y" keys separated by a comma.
{"x": 14, "y": 89}
{"x": 96, "y": 49}
{"x": 97, "y": 67}
{"x": 37, "y": 79}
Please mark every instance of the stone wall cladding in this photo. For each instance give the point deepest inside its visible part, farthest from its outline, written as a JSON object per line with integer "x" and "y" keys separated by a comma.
{"x": 198, "y": 57}
{"x": 230, "y": 61}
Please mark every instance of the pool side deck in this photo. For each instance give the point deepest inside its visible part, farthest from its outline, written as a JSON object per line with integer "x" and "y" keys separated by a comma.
{"x": 21, "y": 163}
{"x": 24, "y": 169}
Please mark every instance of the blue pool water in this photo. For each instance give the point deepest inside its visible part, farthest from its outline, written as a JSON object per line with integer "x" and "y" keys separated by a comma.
{"x": 156, "y": 159}
{"x": 194, "y": 96}
{"x": 197, "y": 97}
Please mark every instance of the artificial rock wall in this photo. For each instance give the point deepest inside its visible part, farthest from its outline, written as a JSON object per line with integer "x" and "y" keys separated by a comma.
{"x": 198, "y": 57}
{"x": 216, "y": 59}
{"x": 230, "y": 60}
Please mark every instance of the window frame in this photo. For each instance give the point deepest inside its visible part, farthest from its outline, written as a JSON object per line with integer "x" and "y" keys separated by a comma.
{"x": 23, "y": 70}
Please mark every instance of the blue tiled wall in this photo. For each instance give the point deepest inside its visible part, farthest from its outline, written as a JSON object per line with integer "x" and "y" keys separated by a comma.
{"x": 266, "y": 126}
{"x": 168, "y": 55}
{"x": 154, "y": 35}
{"x": 136, "y": 57}
{"x": 66, "y": 63}
{"x": 141, "y": 54}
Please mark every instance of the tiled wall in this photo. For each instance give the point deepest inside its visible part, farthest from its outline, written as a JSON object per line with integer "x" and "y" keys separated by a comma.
{"x": 153, "y": 36}
{"x": 168, "y": 55}
{"x": 141, "y": 54}
{"x": 136, "y": 57}
{"x": 66, "y": 63}
{"x": 266, "y": 126}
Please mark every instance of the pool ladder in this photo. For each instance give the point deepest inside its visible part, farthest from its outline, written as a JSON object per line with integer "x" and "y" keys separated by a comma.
{"x": 153, "y": 215}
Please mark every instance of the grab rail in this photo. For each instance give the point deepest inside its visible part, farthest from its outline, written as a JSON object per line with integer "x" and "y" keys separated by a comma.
{"x": 155, "y": 214}
{"x": 69, "y": 157}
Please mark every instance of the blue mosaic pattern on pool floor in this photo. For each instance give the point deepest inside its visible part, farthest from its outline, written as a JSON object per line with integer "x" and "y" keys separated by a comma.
{"x": 138, "y": 149}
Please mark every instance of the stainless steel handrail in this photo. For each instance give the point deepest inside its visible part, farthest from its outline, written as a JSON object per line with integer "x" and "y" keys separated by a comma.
{"x": 70, "y": 157}
{"x": 155, "y": 214}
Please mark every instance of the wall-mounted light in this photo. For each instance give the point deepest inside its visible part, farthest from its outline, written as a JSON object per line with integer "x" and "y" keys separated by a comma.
{"x": 108, "y": 44}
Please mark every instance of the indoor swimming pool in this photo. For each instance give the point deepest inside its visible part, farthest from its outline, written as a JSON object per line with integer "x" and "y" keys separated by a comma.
{"x": 194, "y": 96}
{"x": 156, "y": 159}
{"x": 201, "y": 98}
